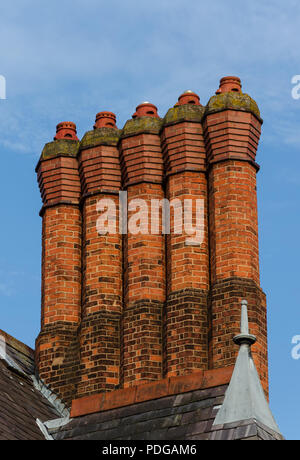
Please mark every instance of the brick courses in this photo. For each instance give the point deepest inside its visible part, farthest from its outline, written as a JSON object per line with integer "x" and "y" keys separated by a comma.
{"x": 186, "y": 313}
{"x": 119, "y": 311}
{"x": 102, "y": 261}
{"x": 231, "y": 138}
{"x": 57, "y": 348}
{"x": 144, "y": 254}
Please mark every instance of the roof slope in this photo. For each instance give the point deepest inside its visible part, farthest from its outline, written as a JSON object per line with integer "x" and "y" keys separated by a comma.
{"x": 20, "y": 403}
{"x": 185, "y": 416}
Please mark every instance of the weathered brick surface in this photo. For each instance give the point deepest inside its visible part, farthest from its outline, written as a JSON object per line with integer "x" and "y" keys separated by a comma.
{"x": 144, "y": 252}
{"x": 185, "y": 332}
{"x": 102, "y": 262}
{"x": 231, "y": 141}
{"x": 186, "y": 313}
{"x": 183, "y": 147}
{"x": 122, "y": 310}
{"x": 142, "y": 342}
{"x": 225, "y": 301}
{"x": 100, "y": 352}
{"x": 187, "y": 262}
{"x": 144, "y": 295}
{"x": 101, "y": 303}
{"x": 57, "y": 357}
{"x": 141, "y": 159}
{"x": 231, "y": 134}
{"x": 99, "y": 167}
{"x": 59, "y": 180}
{"x": 233, "y": 221}
{"x": 57, "y": 348}
{"x": 61, "y": 265}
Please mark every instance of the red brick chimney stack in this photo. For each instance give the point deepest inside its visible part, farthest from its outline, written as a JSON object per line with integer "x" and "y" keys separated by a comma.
{"x": 232, "y": 127}
{"x": 100, "y": 176}
{"x": 57, "y": 351}
{"x": 186, "y": 313}
{"x": 144, "y": 254}
{"x": 126, "y": 308}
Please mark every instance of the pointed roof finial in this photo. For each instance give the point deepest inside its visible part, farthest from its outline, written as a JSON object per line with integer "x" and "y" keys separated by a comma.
{"x": 245, "y": 398}
{"x": 244, "y": 336}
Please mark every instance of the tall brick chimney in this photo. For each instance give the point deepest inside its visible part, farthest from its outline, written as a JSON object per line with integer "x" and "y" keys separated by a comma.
{"x": 144, "y": 254}
{"x": 232, "y": 126}
{"x": 186, "y": 312}
{"x": 57, "y": 351}
{"x": 100, "y": 175}
{"x": 128, "y": 307}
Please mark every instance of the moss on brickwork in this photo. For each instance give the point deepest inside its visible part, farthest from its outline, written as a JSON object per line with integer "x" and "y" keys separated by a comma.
{"x": 186, "y": 112}
{"x": 142, "y": 125}
{"x": 100, "y": 136}
{"x": 66, "y": 147}
{"x": 232, "y": 100}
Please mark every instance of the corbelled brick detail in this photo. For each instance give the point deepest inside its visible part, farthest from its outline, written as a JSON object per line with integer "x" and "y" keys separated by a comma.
{"x": 141, "y": 159}
{"x": 144, "y": 254}
{"x": 99, "y": 164}
{"x": 123, "y": 310}
{"x": 59, "y": 180}
{"x": 102, "y": 261}
{"x": 183, "y": 147}
{"x": 140, "y": 149}
{"x": 182, "y": 139}
{"x": 231, "y": 135}
{"x": 57, "y": 347}
{"x": 186, "y": 313}
{"x": 232, "y": 130}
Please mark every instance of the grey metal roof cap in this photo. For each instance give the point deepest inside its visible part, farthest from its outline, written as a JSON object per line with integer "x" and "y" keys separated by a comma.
{"x": 245, "y": 398}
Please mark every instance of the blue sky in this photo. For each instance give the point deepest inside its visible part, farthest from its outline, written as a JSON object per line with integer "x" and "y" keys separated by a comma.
{"x": 68, "y": 60}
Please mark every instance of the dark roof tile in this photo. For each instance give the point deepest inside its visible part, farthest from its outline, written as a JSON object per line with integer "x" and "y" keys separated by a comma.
{"x": 21, "y": 404}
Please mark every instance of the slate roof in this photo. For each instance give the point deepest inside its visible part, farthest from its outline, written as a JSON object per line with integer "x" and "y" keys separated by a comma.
{"x": 183, "y": 416}
{"x": 187, "y": 416}
{"x": 20, "y": 402}
{"x": 250, "y": 429}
